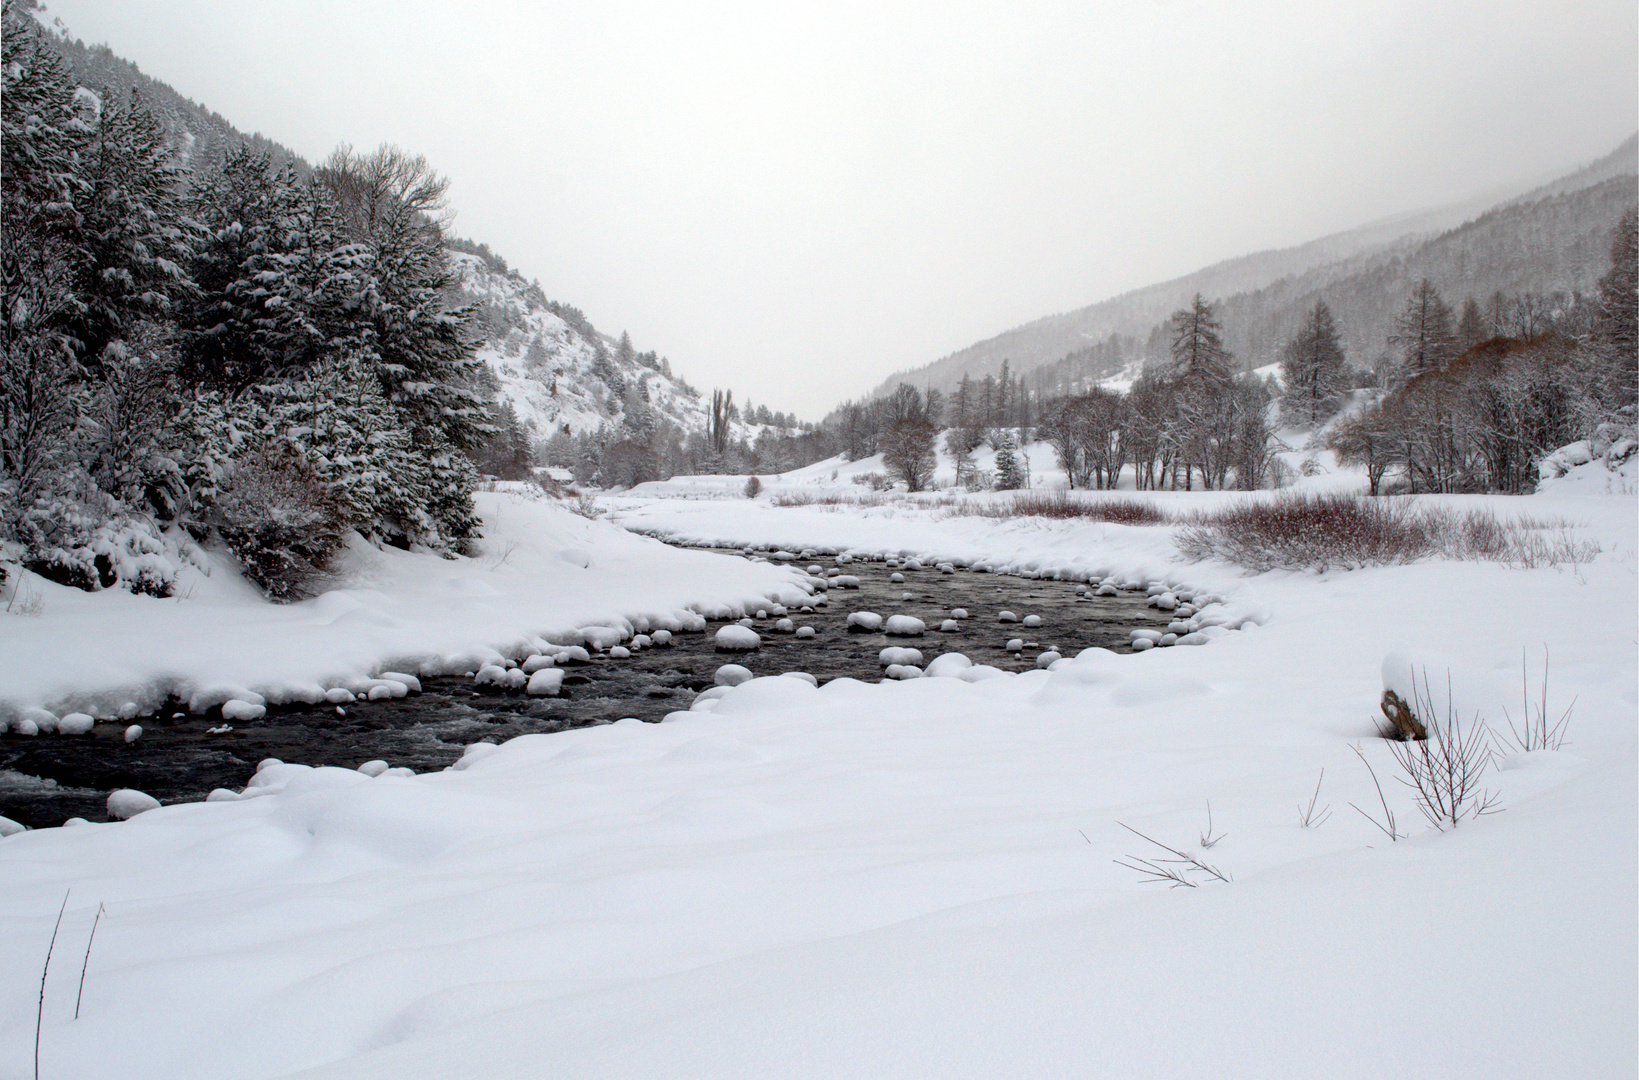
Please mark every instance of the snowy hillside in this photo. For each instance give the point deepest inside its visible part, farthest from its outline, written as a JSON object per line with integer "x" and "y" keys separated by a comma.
{"x": 557, "y": 371}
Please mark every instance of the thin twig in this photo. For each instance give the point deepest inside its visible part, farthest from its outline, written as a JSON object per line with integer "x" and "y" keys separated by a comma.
{"x": 93, "y": 936}
{"x": 1157, "y": 872}
{"x": 1388, "y": 814}
{"x": 1306, "y": 815}
{"x": 1207, "y": 839}
{"x": 40, "y": 1013}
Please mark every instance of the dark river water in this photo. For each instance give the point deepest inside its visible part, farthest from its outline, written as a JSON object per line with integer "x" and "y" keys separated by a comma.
{"x": 46, "y": 779}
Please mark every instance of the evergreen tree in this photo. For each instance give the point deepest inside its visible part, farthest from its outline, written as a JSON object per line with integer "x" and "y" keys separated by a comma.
{"x": 253, "y": 315}
{"x": 131, "y": 241}
{"x": 1619, "y": 317}
{"x": 1198, "y": 351}
{"x": 1313, "y": 369}
{"x": 1009, "y": 475}
{"x": 1423, "y": 332}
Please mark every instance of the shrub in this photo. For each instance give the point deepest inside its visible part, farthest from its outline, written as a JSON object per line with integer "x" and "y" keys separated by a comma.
{"x": 1296, "y": 532}
{"x": 1320, "y": 532}
{"x": 754, "y": 487}
{"x": 280, "y": 521}
{"x": 1060, "y": 505}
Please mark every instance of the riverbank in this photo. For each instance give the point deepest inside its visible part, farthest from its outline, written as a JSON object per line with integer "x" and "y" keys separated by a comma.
{"x": 541, "y": 573}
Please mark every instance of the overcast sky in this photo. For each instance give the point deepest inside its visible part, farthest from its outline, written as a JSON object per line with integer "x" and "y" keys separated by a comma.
{"x": 795, "y": 200}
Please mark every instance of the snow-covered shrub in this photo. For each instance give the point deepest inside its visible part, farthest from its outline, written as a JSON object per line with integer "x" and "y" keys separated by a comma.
{"x": 280, "y": 520}
{"x": 754, "y": 487}
{"x": 75, "y": 535}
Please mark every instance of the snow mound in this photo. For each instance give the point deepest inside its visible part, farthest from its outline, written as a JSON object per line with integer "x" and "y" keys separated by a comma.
{"x": 904, "y": 626}
{"x": 128, "y": 803}
{"x": 737, "y": 639}
{"x": 868, "y": 622}
{"x": 732, "y": 675}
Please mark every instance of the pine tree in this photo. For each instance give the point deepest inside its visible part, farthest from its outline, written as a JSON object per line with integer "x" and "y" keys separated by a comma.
{"x": 1009, "y": 476}
{"x": 132, "y": 242}
{"x": 1313, "y": 369}
{"x": 1423, "y": 332}
{"x": 1619, "y": 318}
{"x": 253, "y": 316}
{"x": 1198, "y": 351}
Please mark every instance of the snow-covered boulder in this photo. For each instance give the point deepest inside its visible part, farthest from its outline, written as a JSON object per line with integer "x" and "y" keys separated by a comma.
{"x": 736, "y": 638}
{"x": 904, "y": 626}
{"x": 544, "y": 682}
{"x": 897, "y": 579}
{"x": 845, "y": 581}
{"x": 805, "y": 632}
{"x": 958, "y": 613}
{"x": 785, "y": 626}
{"x": 128, "y": 803}
{"x": 661, "y": 638}
{"x": 76, "y": 723}
{"x": 864, "y": 622}
{"x": 902, "y": 671}
{"x": 1006, "y": 616}
{"x": 893, "y": 654}
{"x": 732, "y": 675}
{"x": 338, "y": 695}
{"x": 537, "y": 662}
{"x": 620, "y": 652}
{"x": 373, "y": 767}
{"x": 133, "y": 733}
{"x": 949, "y": 665}
{"x": 803, "y": 675}
{"x": 1015, "y": 645}
{"x": 42, "y": 720}
{"x": 1046, "y": 659}
{"x": 235, "y": 709}
{"x": 9, "y": 827}
{"x": 1032, "y": 622}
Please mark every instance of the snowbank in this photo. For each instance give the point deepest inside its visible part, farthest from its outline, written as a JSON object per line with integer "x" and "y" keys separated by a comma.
{"x": 543, "y": 574}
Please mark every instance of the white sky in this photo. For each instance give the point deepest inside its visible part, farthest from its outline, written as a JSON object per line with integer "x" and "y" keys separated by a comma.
{"x": 795, "y": 200}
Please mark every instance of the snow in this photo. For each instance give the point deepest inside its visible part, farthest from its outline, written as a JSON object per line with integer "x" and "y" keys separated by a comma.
{"x": 867, "y": 621}
{"x": 738, "y": 639}
{"x": 544, "y": 682}
{"x": 126, "y": 803}
{"x": 411, "y": 612}
{"x": 732, "y": 675}
{"x": 917, "y": 877}
{"x": 904, "y": 626}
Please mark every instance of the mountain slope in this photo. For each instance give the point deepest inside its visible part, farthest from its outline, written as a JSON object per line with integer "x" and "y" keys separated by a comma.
{"x": 1554, "y": 237}
{"x": 550, "y": 364}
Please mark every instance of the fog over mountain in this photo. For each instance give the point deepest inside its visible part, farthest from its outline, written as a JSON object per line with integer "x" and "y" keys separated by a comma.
{"x": 1550, "y": 238}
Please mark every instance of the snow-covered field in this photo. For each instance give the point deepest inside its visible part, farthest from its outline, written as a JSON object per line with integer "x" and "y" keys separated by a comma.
{"x": 916, "y": 879}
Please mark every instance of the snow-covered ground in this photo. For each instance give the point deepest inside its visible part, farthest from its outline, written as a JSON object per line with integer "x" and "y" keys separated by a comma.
{"x": 914, "y": 879}
{"x": 542, "y": 573}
